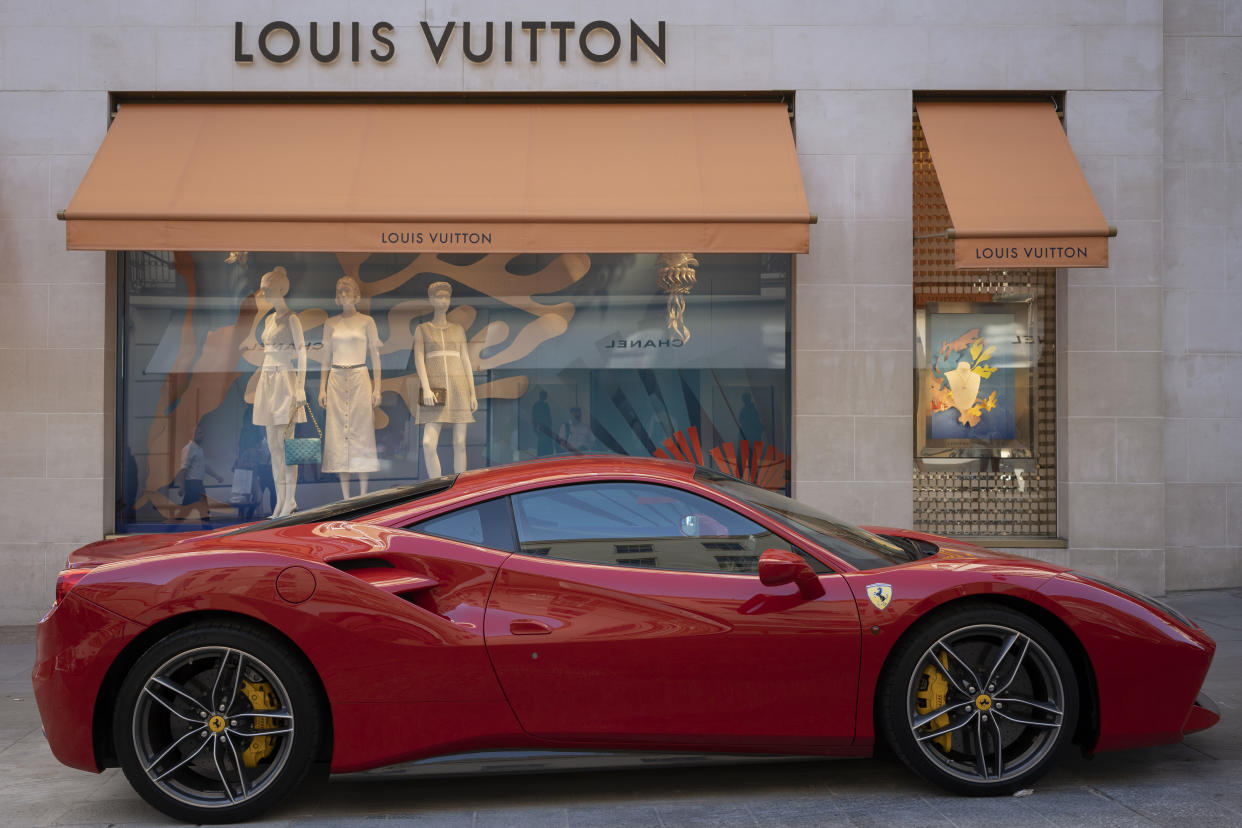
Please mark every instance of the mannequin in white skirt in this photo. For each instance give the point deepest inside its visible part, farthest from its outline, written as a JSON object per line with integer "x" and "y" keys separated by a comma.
{"x": 280, "y": 394}
{"x": 348, "y": 392}
{"x": 443, "y": 362}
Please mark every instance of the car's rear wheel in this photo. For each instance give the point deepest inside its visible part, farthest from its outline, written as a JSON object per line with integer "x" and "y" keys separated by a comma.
{"x": 979, "y": 701}
{"x": 217, "y": 723}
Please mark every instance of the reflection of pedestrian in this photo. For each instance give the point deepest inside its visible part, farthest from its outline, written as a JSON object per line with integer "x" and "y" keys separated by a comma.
{"x": 659, "y": 424}
{"x": 249, "y": 461}
{"x": 191, "y": 475}
{"x": 751, "y": 423}
{"x": 575, "y": 436}
{"x": 129, "y": 488}
{"x": 541, "y": 419}
{"x": 267, "y": 481}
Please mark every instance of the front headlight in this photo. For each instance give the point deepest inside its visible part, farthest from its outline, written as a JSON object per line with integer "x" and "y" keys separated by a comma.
{"x": 1146, "y": 600}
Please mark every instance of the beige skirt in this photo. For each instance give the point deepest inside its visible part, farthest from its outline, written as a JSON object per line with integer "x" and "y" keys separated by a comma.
{"x": 274, "y": 403}
{"x": 349, "y": 433}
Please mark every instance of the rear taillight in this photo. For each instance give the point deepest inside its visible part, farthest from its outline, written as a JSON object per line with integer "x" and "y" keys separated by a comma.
{"x": 66, "y": 581}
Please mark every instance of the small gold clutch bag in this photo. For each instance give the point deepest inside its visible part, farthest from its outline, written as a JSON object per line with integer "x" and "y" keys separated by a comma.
{"x": 440, "y": 395}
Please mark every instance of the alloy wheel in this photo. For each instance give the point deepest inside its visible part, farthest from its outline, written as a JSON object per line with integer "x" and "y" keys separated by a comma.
{"x": 986, "y": 704}
{"x": 213, "y": 727}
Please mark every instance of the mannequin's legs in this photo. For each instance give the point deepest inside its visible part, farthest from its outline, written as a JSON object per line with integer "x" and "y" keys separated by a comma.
{"x": 363, "y": 478}
{"x": 459, "y": 447}
{"x": 431, "y": 442}
{"x": 285, "y": 477}
{"x": 276, "y": 446}
{"x": 291, "y": 485}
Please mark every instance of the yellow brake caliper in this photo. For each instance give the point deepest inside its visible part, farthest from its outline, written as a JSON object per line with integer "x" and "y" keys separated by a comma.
{"x": 932, "y": 693}
{"x": 261, "y": 698}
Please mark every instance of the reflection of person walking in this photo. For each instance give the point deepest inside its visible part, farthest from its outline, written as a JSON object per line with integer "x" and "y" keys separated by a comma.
{"x": 249, "y": 462}
{"x": 541, "y": 419}
{"x": 575, "y": 436}
{"x": 751, "y": 423}
{"x": 191, "y": 476}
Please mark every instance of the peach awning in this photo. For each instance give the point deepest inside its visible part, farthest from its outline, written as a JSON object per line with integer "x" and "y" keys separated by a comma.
{"x": 1015, "y": 192}
{"x": 458, "y": 177}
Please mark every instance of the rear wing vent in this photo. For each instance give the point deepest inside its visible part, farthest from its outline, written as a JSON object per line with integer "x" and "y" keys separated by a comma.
{"x": 395, "y": 580}
{"x": 350, "y": 564}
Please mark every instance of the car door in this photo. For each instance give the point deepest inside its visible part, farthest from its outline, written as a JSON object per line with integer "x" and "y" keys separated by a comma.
{"x": 633, "y": 615}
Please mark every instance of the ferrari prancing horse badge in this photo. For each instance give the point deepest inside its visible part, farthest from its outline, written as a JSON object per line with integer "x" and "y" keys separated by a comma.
{"x": 880, "y": 594}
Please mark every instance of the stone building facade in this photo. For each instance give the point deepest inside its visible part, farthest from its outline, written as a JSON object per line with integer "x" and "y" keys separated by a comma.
{"x": 1149, "y": 402}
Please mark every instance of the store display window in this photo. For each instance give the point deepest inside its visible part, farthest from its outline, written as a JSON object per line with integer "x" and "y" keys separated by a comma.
{"x": 985, "y": 442}
{"x": 378, "y": 370}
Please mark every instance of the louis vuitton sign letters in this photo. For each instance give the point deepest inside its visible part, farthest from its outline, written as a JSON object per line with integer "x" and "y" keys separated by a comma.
{"x": 1033, "y": 252}
{"x": 598, "y": 41}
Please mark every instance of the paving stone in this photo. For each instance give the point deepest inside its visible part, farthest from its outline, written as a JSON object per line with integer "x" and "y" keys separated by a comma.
{"x": 705, "y": 813}
{"x": 1083, "y": 806}
{"x": 522, "y": 818}
{"x": 632, "y": 816}
{"x": 804, "y": 811}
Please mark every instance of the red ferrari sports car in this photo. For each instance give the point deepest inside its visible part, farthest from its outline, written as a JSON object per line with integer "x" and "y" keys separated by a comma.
{"x": 589, "y": 603}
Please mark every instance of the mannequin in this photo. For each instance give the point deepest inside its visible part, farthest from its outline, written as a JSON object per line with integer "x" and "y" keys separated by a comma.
{"x": 443, "y": 361}
{"x": 280, "y": 395}
{"x": 347, "y": 392}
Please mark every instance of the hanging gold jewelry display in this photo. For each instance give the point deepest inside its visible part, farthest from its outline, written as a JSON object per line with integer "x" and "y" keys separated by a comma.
{"x": 676, "y": 278}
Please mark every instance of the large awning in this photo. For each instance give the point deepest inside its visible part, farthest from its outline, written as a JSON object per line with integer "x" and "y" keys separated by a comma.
{"x": 456, "y": 177}
{"x": 1015, "y": 192}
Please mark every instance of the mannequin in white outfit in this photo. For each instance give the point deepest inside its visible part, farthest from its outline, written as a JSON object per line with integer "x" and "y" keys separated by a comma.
{"x": 443, "y": 361}
{"x": 280, "y": 396}
{"x": 347, "y": 392}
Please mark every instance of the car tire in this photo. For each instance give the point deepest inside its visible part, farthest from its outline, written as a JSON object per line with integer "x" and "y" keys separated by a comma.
{"x": 217, "y": 722}
{"x": 979, "y": 700}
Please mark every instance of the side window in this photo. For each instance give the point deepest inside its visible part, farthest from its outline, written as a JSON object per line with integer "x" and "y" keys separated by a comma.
{"x": 642, "y": 525}
{"x": 483, "y": 524}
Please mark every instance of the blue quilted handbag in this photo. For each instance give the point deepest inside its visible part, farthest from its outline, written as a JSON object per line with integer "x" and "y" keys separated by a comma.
{"x": 299, "y": 450}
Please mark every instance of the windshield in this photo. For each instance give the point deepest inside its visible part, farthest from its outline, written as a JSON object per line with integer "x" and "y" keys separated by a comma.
{"x": 356, "y": 506}
{"x": 856, "y": 546}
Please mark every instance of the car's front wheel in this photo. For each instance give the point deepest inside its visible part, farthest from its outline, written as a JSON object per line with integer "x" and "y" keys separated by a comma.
{"x": 979, "y": 700}
{"x": 217, "y": 723}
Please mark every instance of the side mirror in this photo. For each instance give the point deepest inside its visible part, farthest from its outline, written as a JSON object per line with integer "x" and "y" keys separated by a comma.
{"x": 780, "y": 566}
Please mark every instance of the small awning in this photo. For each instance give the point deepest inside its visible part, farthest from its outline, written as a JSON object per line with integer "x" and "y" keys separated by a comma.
{"x": 455, "y": 177}
{"x": 1015, "y": 192}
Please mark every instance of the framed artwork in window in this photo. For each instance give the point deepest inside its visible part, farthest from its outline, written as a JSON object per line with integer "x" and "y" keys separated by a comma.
{"x": 973, "y": 390}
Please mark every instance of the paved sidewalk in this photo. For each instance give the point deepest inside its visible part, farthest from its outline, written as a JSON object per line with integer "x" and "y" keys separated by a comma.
{"x": 1198, "y": 782}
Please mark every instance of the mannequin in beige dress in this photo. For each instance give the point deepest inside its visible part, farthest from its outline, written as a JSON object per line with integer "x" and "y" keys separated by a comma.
{"x": 443, "y": 361}
{"x": 348, "y": 392}
{"x": 280, "y": 394}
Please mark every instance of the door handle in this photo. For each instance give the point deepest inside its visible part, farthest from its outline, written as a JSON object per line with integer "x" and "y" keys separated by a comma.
{"x": 528, "y": 626}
